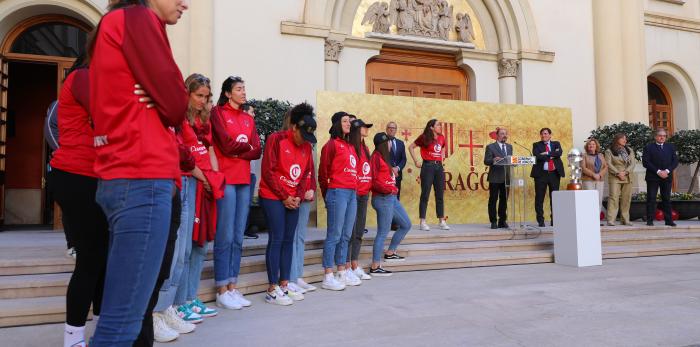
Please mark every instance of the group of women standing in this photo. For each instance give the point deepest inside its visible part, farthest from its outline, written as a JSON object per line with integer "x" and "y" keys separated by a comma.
{"x": 148, "y": 173}
{"x": 615, "y": 166}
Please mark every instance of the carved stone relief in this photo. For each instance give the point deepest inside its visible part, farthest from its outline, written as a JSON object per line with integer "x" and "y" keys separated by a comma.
{"x": 424, "y": 18}
{"x": 508, "y": 68}
{"x": 332, "y": 49}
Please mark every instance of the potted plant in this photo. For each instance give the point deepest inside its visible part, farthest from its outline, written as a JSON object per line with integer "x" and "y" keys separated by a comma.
{"x": 687, "y": 144}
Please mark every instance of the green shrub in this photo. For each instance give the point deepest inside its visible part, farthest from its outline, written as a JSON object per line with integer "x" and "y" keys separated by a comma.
{"x": 638, "y": 135}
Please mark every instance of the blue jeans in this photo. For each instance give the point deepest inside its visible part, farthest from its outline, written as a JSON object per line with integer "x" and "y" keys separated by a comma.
{"x": 138, "y": 212}
{"x": 342, "y": 207}
{"x": 300, "y": 242}
{"x": 232, "y": 214}
{"x": 388, "y": 209}
{"x": 197, "y": 257}
{"x": 281, "y": 225}
{"x": 180, "y": 270}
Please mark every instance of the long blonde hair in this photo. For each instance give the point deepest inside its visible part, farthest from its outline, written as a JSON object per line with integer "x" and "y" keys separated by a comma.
{"x": 194, "y": 82}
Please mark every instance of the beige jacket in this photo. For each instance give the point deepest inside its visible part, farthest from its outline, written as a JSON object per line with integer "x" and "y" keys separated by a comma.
{"x": 588, "y": 167}
{"x": 616, "y": 165}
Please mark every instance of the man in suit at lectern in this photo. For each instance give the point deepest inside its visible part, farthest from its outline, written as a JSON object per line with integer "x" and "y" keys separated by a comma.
{"x": 547, "y": 171}
{"x": 660, "y": 159}
{"x": 498, "y": 177}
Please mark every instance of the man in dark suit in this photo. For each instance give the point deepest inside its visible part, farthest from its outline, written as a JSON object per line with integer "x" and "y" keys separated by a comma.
{"x": 499, "y": 177}
{"x": 397, "y": 151}
{"x": 547, "y": 171}
{"x": 660, "y": 159}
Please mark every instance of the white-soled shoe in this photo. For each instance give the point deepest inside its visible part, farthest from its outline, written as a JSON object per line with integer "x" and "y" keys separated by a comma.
{"x": 175, "y": 322}
{"x": 424, "y": 226}
{"x": 278, "y": 297}
{"x": 331, "y": 283}
{"x": 361, "y": 274}
{"x": 443, "y": 225}
{"x": 307, "y": 287}
{"x": 293, "y": 294}
{"x": 293, "y": 286}
{"x": 238, "y": 296}
{"x": 161, "y": 331}
{"x": 227, "y": 301}
{"x": 350, "y": 278}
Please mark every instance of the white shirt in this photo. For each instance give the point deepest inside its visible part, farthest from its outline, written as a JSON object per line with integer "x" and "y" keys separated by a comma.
{"x": 546, "y": 163}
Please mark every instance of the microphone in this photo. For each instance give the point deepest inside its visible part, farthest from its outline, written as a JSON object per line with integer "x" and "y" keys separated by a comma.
{"x": 527, "y": 149}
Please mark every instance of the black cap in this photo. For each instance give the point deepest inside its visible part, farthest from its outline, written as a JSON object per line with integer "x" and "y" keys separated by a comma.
{"x": 380, "y": 138}
{"x": 307, "y": 126}
{"x": 359, "y": 123}
{"x": 338, "y": 116}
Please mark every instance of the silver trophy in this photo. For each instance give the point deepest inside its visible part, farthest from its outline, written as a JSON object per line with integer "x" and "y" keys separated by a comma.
{"x": 575, "y": 157}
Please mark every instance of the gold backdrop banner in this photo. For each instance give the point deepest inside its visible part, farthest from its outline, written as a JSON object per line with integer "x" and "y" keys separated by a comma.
{"x": 468, "y": 127}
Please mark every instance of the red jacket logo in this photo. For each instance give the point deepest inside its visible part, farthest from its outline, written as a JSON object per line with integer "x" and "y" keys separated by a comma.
{"x": 242, "y": 138}
{"x": 437, "y": 148}
{"x": 353, "y": 161}
{"x": 295, "y": 172}
{"x": 365, "y": 168}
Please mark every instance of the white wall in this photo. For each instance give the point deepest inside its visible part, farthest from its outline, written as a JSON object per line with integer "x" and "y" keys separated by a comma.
{"x": 352, "y": 69}
{"x": 248, "y": 43}
{"x": 566, "y": 28}
{"x": 690, "y": 9}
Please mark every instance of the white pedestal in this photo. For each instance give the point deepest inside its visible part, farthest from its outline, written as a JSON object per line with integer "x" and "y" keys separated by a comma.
{"x": 577, "y": 228}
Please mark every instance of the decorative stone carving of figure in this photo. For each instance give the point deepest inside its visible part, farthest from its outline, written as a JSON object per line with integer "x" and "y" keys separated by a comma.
{"x": 465, "y": 28}
{"x": 445, "y": 19}
{"x": 378, "y": 15}
{"x": 403, "y": 15}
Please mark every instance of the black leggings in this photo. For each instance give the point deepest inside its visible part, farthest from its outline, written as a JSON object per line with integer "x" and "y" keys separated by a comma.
{"x": 432, "y": 175}
{"x": 89, "y": 232}
{"x": 145, "y": 338}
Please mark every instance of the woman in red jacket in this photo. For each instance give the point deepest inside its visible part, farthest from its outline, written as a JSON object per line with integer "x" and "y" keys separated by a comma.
{"x": 285, "y": 165}
{"x": 337, "y": 177}
{"x": 358, "y": 131}
{"x": 137, "y": 159}
{"x": 432, "y": 172}
{"x": 73, "y": 184}
{"x": 236, "y": 143}
{"x": 387, "y": 205}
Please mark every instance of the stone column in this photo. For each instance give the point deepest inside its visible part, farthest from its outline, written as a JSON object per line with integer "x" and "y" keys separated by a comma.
{"x": 620, "y": 61}
{"x": 202, "y": 38}
{"x": 332, "y": 53}
{"x": 507, "y": 80}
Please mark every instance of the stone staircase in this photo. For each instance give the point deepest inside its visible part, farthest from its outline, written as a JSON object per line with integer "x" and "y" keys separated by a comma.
{"x": 34, "y": 269}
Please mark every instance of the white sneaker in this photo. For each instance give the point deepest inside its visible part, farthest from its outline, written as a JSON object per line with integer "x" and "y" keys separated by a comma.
{"x": 331, "y": 283}
{"x": 444, "y": 226}
{"x": 424, "y": 226}
{"x": 293, "y": 294}
{"x": 278, "y": 297}
{"x": 72, "y": 253}
{"x": 350, "y": 278}
{"x": 227, "y": 301}
{"x": 307, "y": 287}
{"x": 361, "y": 274}
{"x": 296, "y": 288}
{"x": 175, "y": 322}
{"x": 161, "y": 331}
{"x": 239, "y": 297}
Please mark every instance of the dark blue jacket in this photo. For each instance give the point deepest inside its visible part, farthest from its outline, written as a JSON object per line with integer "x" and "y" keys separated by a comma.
{"x": 398, "y": 158}
{"x": 655, "y": 158}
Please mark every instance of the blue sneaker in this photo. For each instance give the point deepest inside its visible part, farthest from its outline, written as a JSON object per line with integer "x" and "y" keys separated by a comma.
{"x": 197, "y": 306}
{"x": 187, "y": 315}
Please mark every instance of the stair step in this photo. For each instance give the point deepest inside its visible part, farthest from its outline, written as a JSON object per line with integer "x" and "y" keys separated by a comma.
{"x": 632, "y": 251}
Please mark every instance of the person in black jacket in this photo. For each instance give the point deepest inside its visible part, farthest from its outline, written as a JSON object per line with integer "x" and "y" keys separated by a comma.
{"x": 547, "y": 171}
{"x": 660, "y": 159}
{"x": 397, "y": 152}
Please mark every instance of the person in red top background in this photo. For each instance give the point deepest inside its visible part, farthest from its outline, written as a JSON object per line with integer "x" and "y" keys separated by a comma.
{"x": 137, "y": 158}
{"x": 286, "y": 164}
{"x": 337, "y": 178}
{"x": 432, "y": 172}
{"x": 236, "y": 143}
{"x": 358, "y": 132}
{"x": 389, "y": 209}
{"x": 73, "y": 183}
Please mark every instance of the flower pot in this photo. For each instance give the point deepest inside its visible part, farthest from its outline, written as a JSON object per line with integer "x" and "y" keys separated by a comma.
{"x": 687, "y": 209}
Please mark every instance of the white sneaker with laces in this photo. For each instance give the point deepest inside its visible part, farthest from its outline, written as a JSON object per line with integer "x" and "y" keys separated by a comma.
{"x": 307, "y": 287}
{"x": 443, "y": 225}
{"x": 227, "y": 301}
{"x": 351, "y": 279}
{"x": 296, "y": 288}
{"x": 331, "y": 283}
{"x": 361, "y": 274}
{"x": 161, "y": 331}
{"x": 293, "y": 294}
{"x": 238, "y": 296}
{"x": 278, "y": 297}
{"x": 175, "y": 322}
{"x": 424, "y": 226}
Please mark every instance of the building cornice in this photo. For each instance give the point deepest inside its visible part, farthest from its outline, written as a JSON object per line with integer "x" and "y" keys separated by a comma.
{"x": 671, "y": 22}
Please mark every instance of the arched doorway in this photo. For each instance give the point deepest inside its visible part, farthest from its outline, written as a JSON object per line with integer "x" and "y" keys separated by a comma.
{"x": 660, "y": 105}
{"x": 413, "y": 73}
{"x": 34, "y": 57}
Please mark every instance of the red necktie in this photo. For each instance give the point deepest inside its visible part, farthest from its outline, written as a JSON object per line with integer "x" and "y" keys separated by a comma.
{"x": 551, "y": 162}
